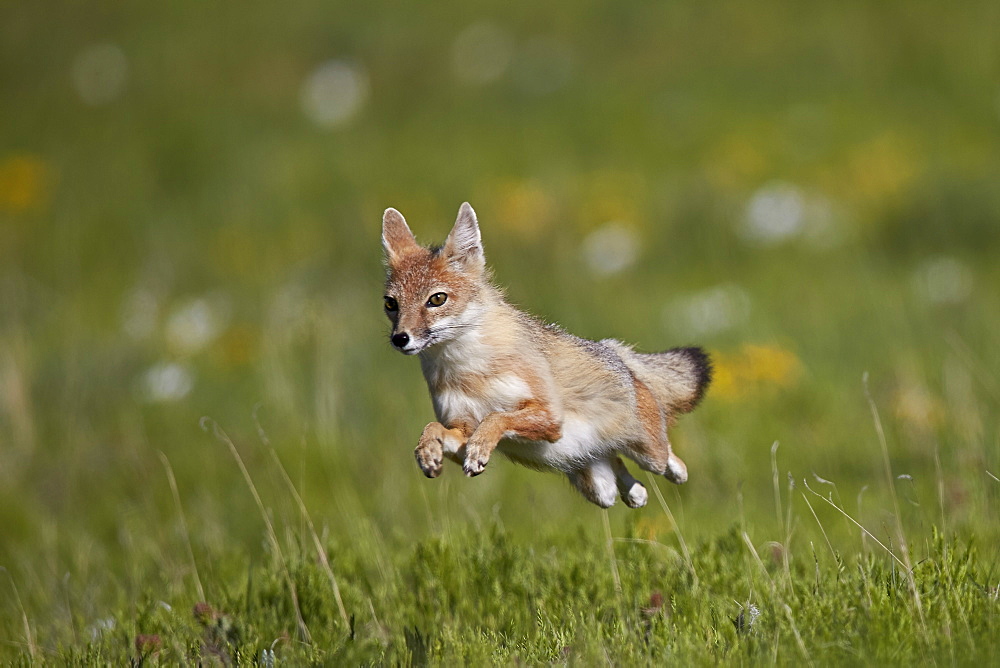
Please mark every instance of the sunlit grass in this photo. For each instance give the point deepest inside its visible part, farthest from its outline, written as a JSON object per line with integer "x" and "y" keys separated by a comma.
{"x": 189, "y": 208}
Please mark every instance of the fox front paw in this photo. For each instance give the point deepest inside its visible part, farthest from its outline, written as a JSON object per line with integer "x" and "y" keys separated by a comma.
{"x": 429, "y": 458}
{"x": 476, "y": 459}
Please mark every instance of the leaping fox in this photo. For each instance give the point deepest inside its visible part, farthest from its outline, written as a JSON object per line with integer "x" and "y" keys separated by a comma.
{"x": 502, "y": 380}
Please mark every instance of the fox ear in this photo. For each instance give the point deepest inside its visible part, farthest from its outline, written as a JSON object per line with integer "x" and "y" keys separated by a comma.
{"x": 397, "y": 238}
{"x": 464, "y": 245}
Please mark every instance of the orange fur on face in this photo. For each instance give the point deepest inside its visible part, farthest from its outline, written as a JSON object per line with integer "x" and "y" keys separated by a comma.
{"x": 413, "y": 278}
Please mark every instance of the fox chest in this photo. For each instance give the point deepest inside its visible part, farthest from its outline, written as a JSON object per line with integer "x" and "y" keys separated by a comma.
{"x": 470, "y": 402}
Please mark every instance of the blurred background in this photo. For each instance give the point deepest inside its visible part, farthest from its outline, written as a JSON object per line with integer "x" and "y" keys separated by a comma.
{"x": 190, "y": 206}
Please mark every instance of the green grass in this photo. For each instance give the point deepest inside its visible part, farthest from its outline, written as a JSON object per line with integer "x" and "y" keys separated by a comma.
{"x": 196, "y": 222}
{"x": 803, "y": 583}
{"x": 482, "y": 597}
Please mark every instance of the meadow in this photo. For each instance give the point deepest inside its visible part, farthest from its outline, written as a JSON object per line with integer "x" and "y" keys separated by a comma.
{"x": 206, "y": 438}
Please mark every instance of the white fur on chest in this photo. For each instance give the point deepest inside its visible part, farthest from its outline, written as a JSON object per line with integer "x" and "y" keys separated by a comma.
{"x": 447, "y": 362}
{"x": 500, "y": 394}
{"x": 462, "y": 386}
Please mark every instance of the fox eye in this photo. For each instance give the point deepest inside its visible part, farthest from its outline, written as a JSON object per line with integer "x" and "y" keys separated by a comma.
{"x": 437, "y": 299}
{"x": 391, "y": 304}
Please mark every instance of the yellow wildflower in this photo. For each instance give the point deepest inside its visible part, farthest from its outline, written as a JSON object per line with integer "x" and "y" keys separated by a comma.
{"x": 651, "y": 527}
{"x": 754, "y": 368}
{"x": 735, "y": 162}
{"x": 523, "y": 207}
{"x": 882, "y": 169}
{"x": 916, "y": 406}
{"x": 24, "y": 183}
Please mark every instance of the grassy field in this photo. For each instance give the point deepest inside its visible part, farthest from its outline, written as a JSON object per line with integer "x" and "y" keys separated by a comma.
{"x": 205, "y": 438}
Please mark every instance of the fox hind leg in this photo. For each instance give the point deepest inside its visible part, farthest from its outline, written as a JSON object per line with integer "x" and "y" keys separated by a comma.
{"x": 596, "y": 481}
{"x": 631, "y": 490}
{"x": 658, "y": 457}
{"x": 677, "y": 470}
{"x": 652, "y": 451}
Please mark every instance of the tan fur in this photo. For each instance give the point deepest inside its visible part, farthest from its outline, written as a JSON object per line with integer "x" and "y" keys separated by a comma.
{"x": 653, "y": 451}
{"x": 501, "y": 380}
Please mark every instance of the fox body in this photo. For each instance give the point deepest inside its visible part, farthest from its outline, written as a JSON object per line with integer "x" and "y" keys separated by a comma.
{"x": 500, "y": 380}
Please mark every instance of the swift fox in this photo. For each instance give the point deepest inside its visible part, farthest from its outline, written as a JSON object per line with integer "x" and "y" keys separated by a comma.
{"x": 502, "y": 380}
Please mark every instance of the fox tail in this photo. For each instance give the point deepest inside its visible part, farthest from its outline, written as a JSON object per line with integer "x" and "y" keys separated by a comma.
{"x": 677, "y": 377}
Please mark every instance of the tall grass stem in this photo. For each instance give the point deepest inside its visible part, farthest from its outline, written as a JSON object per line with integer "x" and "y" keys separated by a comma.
{"x": 220, "y": 434}
{"x": 184, "y": 527}
{"x": 891, "y": 482}
{"x": 677, "y": 529}
{"x": 320, "y": 552}
{"x": 611, "y": 552}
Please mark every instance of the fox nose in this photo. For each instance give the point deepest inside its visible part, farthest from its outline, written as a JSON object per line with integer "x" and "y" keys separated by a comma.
{"x": 400, "y": 340}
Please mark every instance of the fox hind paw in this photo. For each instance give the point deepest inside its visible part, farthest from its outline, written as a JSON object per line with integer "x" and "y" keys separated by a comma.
{"x": 636, "y": 497}
{"x": 677, "y": 470}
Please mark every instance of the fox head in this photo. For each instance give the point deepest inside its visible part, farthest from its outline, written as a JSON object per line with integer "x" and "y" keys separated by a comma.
{"x": 431, "y": 294}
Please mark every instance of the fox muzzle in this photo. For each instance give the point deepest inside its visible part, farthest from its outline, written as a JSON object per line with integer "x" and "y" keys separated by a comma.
{"x": 400, "y": 340}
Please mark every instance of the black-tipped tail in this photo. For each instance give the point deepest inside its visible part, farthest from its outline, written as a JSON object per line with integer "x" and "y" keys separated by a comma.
{"x": 701, "y": 366}
{"x": 677, "y": 377}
